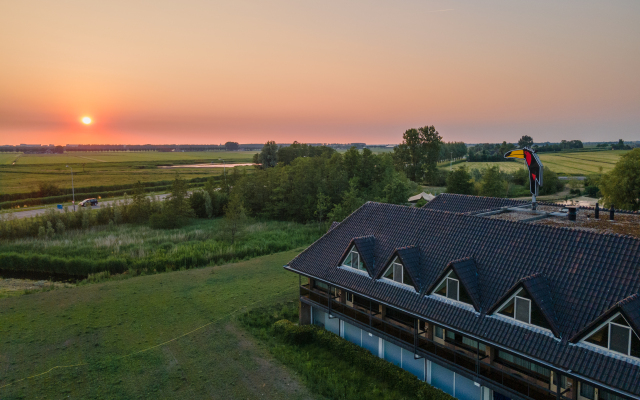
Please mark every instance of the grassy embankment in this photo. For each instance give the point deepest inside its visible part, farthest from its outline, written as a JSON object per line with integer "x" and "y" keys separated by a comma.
{"x": 140, "y": 249}
{"x": 99, "y": 324}
{"x": 106, "y": 168}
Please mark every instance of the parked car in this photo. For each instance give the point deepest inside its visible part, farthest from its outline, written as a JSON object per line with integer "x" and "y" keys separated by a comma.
{"x": 88, "y": 202}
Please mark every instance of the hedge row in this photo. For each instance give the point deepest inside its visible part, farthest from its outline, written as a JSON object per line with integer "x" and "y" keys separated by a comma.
{"x": 80, "y": 267}
{"x": 380, "y": 369}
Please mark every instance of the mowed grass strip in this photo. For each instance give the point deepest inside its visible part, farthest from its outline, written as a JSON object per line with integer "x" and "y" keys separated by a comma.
{"x": 581, "y": 163}
{"x": 506, "y": 166}
{"x": 8, "y": 158}
{"x": 99, "y": 323}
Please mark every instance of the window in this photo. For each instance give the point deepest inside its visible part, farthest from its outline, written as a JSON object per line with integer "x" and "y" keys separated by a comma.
{"x": 464, "y": 342}
{"x": 349, "y": 296}
{"x": 617, "y": 335}
{"x": 527, "y": 367}
{"x": 365, "y": 303}
{"x": 520, "y": 307}
{"x": 439, "y": 332}
{"x": 354, "y": 260}
{"x": 397, "y": 273}
{"x": 323, "y": 287}
{"x": 587, "y": 391}
{"x": 450, "y": 288}
{"x": 399, "y": 316}
{"x": 563, "y": 380}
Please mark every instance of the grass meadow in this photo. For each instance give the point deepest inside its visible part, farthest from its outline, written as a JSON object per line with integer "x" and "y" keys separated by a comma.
{"x": 141, "y": 249}
{"x": 582, "y": 163}
{"x": 106, "y": 168}
{"x": 111, "y": 328}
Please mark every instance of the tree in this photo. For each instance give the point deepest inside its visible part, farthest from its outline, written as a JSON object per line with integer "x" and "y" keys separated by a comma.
{"x": 234, "y": 216}
{"x": 178, "y": 202}
{"x": 492, "y": 184}
{"x": 525, "y": 141}
{"x": 322, "y": 206}
{"x": 231, "y": 146}
{"x": 621, "y": 186}
{"x": 459, "y": 181}
{"x": 269, "y": 155}
{"x": 419, "y": 152}
{"x": 140, "y": 205}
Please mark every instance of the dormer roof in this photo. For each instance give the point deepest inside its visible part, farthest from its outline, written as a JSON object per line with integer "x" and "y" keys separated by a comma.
{"x": 628, "y": 307}
{"x": 466, "y": 271}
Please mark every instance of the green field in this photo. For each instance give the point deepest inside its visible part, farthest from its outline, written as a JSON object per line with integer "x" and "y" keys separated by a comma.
{"x": 107, "y": 168}
{"x": 582, "y": 163}
{"x": 108, "y": 326}
{"x": 576, "y": 164}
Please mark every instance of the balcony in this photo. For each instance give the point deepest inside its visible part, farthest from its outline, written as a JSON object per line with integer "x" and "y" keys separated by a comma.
{"x": 463, "y": 358}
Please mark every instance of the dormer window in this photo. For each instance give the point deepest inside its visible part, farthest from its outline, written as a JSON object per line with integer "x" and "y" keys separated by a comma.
{"x": 354, "y": 260}
{"x": 521, "y": 308}
{"x": 450, "y": 288}
{"x": 616, "y": 335}
{"x": 397, "y": 273}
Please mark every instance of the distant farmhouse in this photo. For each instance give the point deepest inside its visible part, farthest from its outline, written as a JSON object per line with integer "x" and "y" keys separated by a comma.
{"x": 485, "y": 298}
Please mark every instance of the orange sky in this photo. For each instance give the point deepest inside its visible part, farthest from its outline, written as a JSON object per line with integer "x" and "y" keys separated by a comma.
{"x": 331, "y": 71}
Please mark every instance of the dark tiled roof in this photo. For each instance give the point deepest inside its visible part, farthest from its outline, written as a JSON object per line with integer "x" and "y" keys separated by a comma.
{"x": 334, "y": 224}
{"x": 629, "y": 307}
{"x": 467, "y": 272}
{"x": 410, "y": 258}
{"x": 587, "y": 273}
{"x": 461, "y": 203}
{"x": 366, "y": 247}
{"x": 537, "y": 287}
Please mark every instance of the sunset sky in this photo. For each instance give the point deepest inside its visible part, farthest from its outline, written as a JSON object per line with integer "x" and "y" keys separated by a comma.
{"x": 204, "y": 71}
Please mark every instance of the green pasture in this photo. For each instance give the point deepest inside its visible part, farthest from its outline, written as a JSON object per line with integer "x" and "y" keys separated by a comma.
{"x": 136, "y": 156}
{"x": 112, "y": 328}
{"x": 107, "y": 168}
{"x": 8, "y": 158}
{"x": 581, "y": 163}
{"x": 506, "y": 166}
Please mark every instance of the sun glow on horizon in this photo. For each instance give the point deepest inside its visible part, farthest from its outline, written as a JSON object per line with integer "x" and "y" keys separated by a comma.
{"x": 86, "y": 120}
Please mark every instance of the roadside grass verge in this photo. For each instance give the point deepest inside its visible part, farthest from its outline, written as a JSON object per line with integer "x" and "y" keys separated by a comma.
{"x": 98, "y": 324}
{"x": 331, "y": 366}
{"x": 138, "y": 249}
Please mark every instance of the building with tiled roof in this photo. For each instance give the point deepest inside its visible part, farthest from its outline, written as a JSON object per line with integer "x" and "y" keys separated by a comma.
{"x": 480, "y": 306}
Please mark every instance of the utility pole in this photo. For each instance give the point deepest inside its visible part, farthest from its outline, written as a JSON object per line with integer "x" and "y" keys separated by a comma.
{"x": 73, "y": 191}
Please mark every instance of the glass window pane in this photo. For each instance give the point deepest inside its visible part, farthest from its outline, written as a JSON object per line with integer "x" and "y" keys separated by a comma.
{"x": 452, "y": 289}
{"x": 442, "y": 288}
{"x": 601, "y": 337}
{"x": 620, "y": 320}
{"x": 604, "y": 395}
{"x": 508, "y": 309}
{"x": 439, "y": 333}
{"x": 587, "y": 391}
{"x": 389, "y": 273}
{"x": 397, "y": 273}
{"x": 347, "y": 260}
{"x": 360, "y": 263}
{"x": 619, "y": 338}
{"x": 522, "y": 309}
{"x": 635, "y": 346}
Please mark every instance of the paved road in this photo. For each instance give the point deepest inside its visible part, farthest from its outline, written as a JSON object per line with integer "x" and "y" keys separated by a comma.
{"x": 33, "y": 213}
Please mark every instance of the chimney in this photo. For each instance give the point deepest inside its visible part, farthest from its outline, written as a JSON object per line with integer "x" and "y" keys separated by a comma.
{"x": 597, "y": 211}
{"x": 572, "y": 213}
{"x": 612, "y": 211}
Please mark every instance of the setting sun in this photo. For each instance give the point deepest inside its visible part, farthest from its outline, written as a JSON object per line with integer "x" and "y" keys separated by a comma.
{"x": 86, "y": 120}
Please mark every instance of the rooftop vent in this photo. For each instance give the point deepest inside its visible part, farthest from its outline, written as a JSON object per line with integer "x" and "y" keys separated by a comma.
{"x": 572, "y": 212}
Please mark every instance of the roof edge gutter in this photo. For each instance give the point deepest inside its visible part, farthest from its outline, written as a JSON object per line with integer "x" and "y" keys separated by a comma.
{"x": 567, "y": 372}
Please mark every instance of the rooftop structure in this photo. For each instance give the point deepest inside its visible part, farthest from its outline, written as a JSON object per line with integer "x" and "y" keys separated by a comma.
{"x": 485, "y": 297}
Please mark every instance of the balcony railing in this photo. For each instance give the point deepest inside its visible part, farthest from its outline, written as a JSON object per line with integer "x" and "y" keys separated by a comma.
{"x": 477, "y": 364}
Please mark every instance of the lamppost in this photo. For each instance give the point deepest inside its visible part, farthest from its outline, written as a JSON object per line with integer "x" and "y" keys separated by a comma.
{"x": 73, "y": 191}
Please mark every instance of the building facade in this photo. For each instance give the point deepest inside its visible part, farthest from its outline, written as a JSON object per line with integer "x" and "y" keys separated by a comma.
{"x": 487, "y": 302}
